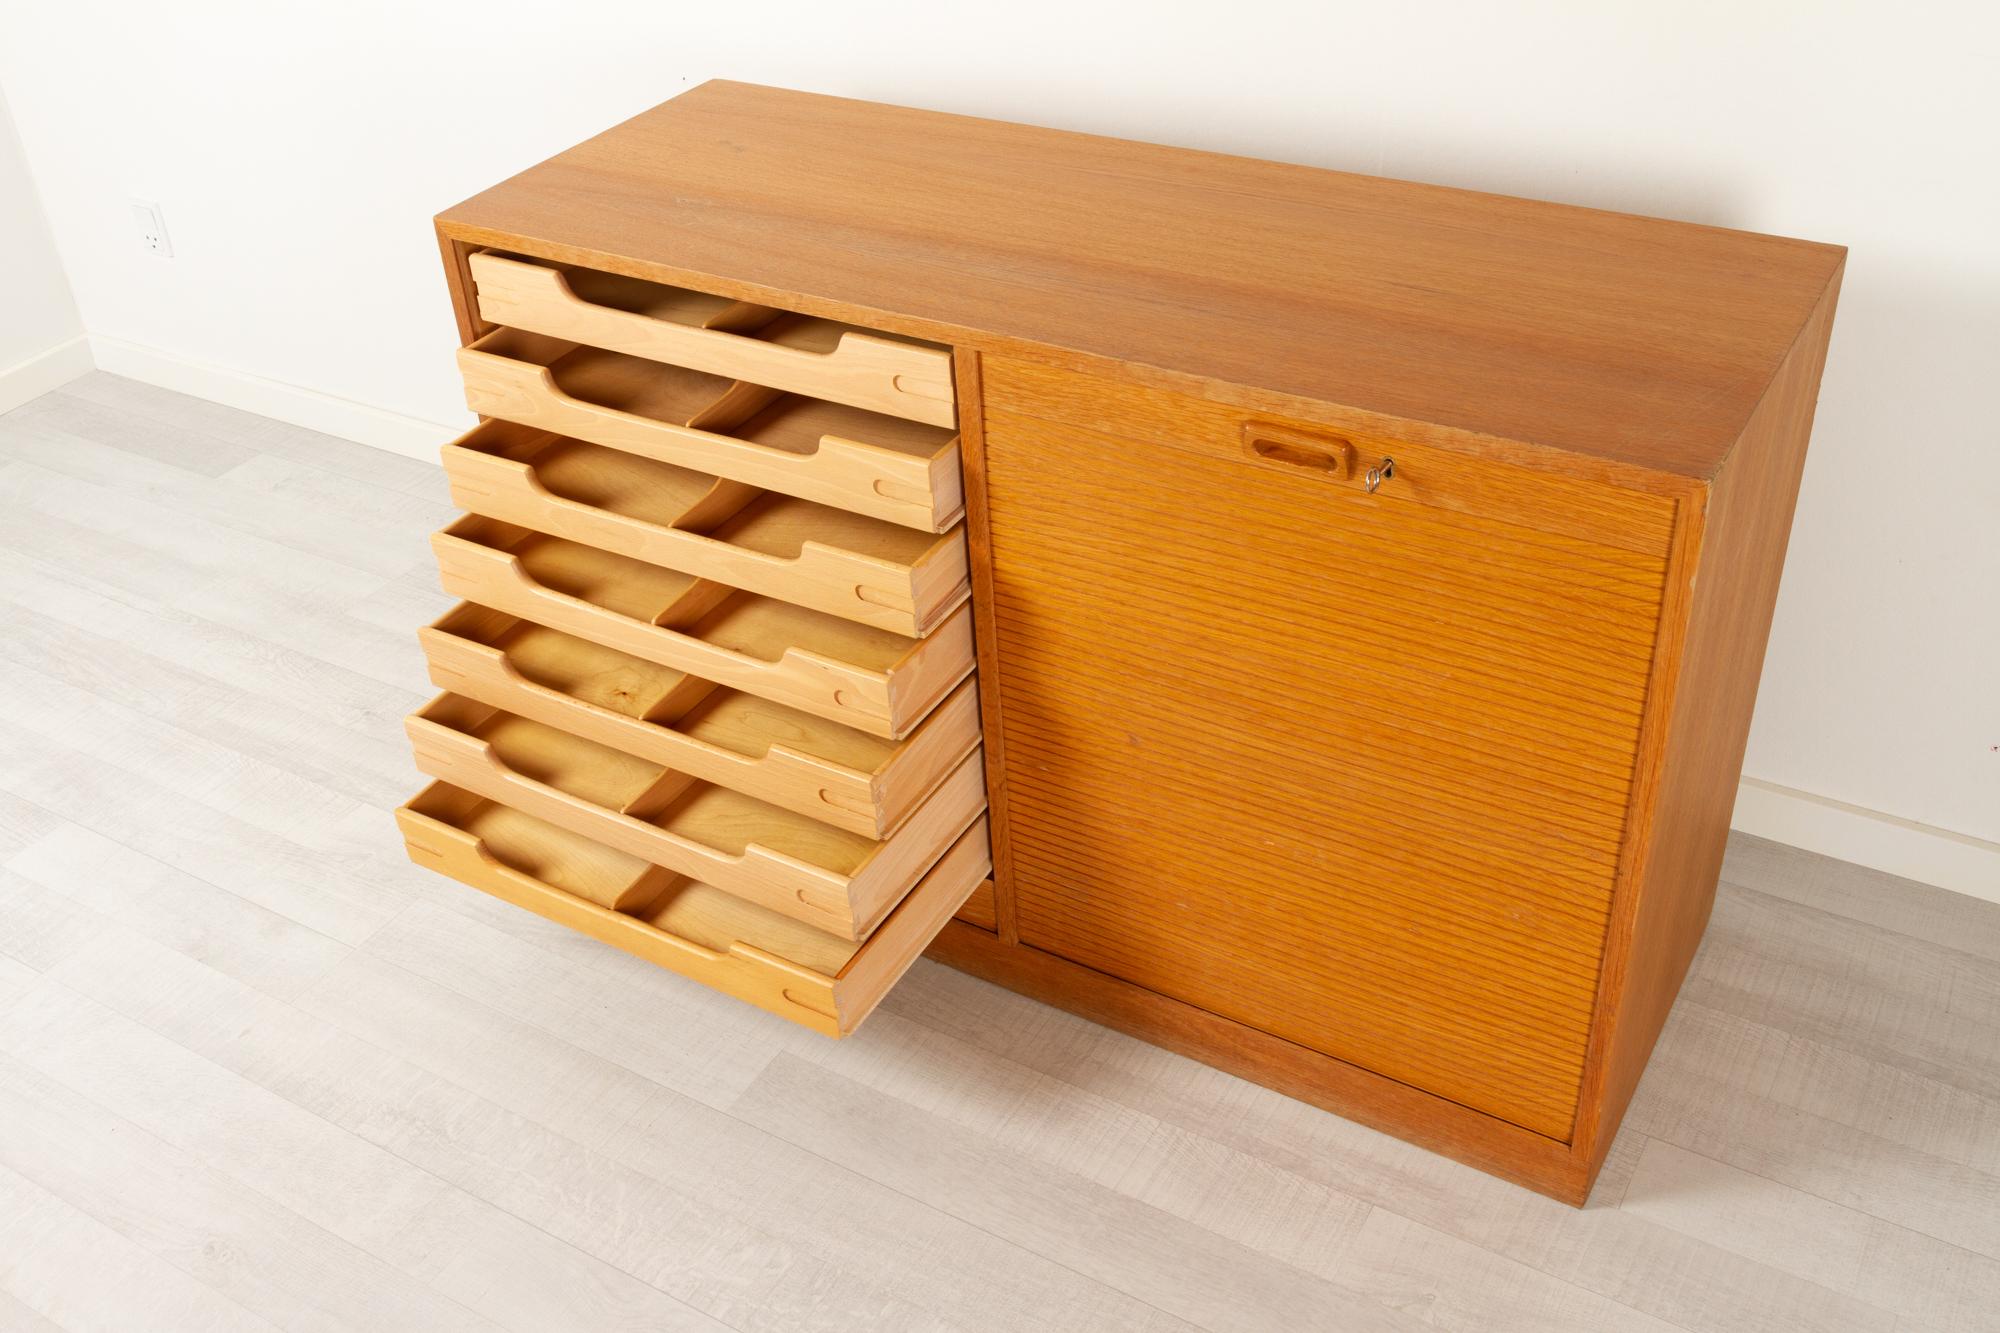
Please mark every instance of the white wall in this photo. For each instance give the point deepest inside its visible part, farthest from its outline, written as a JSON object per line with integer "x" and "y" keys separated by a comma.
{"x": 41, "y": 337}
{"x": 298, "y": 163}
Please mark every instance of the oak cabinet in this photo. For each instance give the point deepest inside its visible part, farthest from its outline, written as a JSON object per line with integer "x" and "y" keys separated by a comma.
{"x": 1308, "y": 621}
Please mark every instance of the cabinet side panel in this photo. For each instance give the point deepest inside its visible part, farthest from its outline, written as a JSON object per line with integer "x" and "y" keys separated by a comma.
{"x": 458, "y": 281}
{"x": 1741, "y": 553}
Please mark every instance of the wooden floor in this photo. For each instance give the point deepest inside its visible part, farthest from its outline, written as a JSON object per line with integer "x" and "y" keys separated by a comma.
{"x": 257, "y": 1071}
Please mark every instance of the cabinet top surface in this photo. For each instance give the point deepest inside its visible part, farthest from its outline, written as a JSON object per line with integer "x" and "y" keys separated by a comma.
{"x": 1628, "y": 339}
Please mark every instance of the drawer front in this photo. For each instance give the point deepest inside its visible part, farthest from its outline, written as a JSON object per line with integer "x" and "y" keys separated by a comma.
{"x": 887, "y": 468}
{"x": 817, "y": 980}
{"x": 862, "y": 569}
{"x": 709, "y": 694}
{"x": 819, "y": 358}
{"x": 1350, "y": 769}
{"x": 866, "y": 678}
{"x": 843, "y": 777}
{"x": 836, "y": 881}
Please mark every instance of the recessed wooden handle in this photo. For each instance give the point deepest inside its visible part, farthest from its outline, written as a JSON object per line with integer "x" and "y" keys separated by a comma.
{"x": 1326, "y": 454}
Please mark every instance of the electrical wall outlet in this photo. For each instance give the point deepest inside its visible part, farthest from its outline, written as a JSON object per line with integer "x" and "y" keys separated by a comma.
{"x": 152, "y": 226}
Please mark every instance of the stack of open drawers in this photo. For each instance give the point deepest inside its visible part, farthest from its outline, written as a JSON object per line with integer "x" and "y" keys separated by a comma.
{"x": 709, "y": 692}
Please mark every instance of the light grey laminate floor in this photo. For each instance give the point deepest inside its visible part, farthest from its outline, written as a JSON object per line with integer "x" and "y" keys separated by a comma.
{"x": 257, "y": 1071}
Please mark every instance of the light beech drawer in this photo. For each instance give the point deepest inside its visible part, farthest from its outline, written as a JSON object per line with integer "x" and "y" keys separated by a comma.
{"x": 819, "y": 358}
{"x": 881, "y": 683}
{"x": 844, "y": 777}
{"x": 704, "y": 933}
{"x": 835, "y": 880}
{"x": 882, "y": 466}
{"x": 864, "y": 569}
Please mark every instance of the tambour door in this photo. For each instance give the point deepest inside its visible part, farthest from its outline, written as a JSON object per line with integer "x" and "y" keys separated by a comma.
{"x": 1348, "y": 766}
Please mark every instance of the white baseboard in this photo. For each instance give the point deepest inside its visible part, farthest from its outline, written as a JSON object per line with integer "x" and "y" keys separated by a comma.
{"x": 412, "y": 437}
{"x": 48, "y": 370}
{"x": 1870, "y": 838}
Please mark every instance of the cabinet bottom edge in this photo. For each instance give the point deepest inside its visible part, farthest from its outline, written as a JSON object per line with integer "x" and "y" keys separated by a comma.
{"x": 1424, "y": 1119}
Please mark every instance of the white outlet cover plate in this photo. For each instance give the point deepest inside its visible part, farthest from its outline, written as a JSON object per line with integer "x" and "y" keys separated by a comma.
{"x": 152, "y": 226}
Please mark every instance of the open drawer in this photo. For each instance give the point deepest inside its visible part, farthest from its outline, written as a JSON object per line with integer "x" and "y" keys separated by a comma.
{"x": 844, "y": 777}
{"x": 820, "y": 358}
{"x": 710, "y": 936}
{"x": 847, "y": 564}
{"x": 881, "y": 683}
{"x": 882, "y": 466}
{"x": 837, "y": 881}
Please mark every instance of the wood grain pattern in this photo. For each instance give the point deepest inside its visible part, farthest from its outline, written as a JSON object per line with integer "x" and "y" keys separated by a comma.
{"x": 978, "y": 909}
{"x": 1591, "y": 335}
{"x": 552, "y": 855}
{"x": 979, "y": 547}
{"x": 1428, "y": 777}
{"x": 857, "y": 675}
{"x": 815, "y": 357}
{"x": 359, "y": 1200}
{"x": 877, "y": 465}
{"x": 1695, "y": 754}
{"x": 838, "y": 775}
{"x": 50, "y": 1242}
{"x": 1386, "y": 753}
{"x": 1354, "y": 1092}
{"x": 815, "y": 979}
{"x": 849, "y": 565}
{"x": 1634, "y": 514}
{"x": 837, "y": 881}
{"x": 695, "y": 395}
